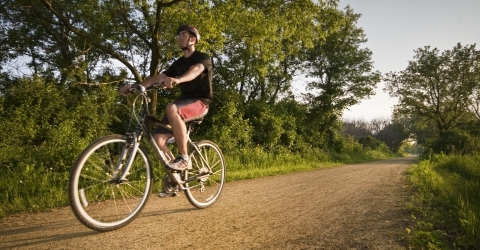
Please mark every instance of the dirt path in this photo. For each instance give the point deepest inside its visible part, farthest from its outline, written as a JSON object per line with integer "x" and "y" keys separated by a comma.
{"x": 350, "y": 207}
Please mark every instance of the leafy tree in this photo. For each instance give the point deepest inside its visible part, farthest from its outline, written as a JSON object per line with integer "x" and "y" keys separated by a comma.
{"x": 341, "y": 67}
{"x": 263, "y": 43}
{"x": 262, "y": 39}
{"x": 261, "y": 58}
{"x": 369, "y": 142}
{"x": 357, "y": 128}
{"x": 258, "y": 48}
{"x": 76, "y": 38}
{"x": 437, "y": 86}
{"x": 44, "y": 38}
{"x": 268, "y": 126}
{"x": 475, "y": 103}
{"x": 394, "y": 133}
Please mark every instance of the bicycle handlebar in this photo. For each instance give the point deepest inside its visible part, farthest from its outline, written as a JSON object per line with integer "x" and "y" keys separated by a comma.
{"x": 140, "y": 88}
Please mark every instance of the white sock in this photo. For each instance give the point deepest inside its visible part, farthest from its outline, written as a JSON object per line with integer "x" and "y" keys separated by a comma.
{"x": 185, "y": 157}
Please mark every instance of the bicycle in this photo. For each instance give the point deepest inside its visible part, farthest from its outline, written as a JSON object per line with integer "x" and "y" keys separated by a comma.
{"x": 111, "y": 180}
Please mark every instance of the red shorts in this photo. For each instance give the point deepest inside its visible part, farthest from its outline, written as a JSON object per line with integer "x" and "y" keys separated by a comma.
{"x": 188, "y": 109}
{"x": 192, "y": 111}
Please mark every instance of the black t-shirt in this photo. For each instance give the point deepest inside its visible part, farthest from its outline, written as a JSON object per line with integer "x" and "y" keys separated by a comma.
{"x": 198, "y": 88}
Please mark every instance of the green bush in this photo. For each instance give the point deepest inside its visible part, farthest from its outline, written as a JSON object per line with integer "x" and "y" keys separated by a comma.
{"x": 45, "y": 128}
{"x": 229, "y": 129}
{"x": 454, "y": 142}
{"x": 369, "y": 142}
{"x": 268, "y": 127}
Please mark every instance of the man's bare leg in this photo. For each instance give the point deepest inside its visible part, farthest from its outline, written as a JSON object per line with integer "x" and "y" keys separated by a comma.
{"x": 179, "y": 128}
{"x": 161, "y": 140}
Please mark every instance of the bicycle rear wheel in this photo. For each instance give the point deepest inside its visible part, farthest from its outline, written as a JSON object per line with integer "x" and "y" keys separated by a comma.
{"x": 206, "y": 186}
{"x": 98, "y": 197}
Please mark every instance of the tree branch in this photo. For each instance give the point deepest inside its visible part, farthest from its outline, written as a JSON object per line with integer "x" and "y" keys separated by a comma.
{"x": 104, "y": 48}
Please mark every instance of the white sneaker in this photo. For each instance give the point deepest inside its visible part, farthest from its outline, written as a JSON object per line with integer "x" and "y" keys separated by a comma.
{"x": 180, "y": 164}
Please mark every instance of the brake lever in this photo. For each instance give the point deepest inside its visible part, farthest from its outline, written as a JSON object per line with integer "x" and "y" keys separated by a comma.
{"x": 136, "y": 88}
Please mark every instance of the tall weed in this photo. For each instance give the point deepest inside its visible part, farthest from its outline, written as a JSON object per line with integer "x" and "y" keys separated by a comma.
{"x": 32, "y": 189}
{"x": 446, "y": 203}
{"x": 256, "y": 162}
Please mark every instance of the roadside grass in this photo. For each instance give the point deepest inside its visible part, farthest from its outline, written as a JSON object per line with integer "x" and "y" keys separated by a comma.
{"x": 445, "y": 205}
{"x": 35, "y": 189}
{"x": 249, "y": 164}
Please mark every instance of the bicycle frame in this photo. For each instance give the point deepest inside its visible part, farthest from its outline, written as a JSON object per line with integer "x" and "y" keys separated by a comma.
{"x": 137, "y": 135}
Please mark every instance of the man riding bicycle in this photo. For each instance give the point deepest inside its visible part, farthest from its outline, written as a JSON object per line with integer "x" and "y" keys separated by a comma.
{"x": 193, "y": 74}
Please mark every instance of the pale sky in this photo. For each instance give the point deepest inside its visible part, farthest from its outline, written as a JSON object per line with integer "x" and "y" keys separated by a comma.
{"x": 395, "y": 28}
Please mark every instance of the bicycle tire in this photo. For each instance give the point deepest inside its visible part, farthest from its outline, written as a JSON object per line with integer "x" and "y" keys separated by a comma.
{"x": 99, "y": 201}
{"x": 203, "y": 191}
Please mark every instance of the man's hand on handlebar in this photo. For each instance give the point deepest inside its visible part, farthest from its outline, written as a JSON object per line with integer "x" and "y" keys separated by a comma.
{"x": 169, "y": 83}
{"x": 131, "y": 88}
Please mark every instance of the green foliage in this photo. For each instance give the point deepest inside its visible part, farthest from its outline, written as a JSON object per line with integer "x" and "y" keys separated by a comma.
{"x": 293, "y": 116}
{"x": 352, "y": 151}
{"x": 392, "y": 133}
{"x": 45, "y": 128}
{"x": 343, "y": 73}
{"x": 395, "y": 132}
{"x": 446, "y": 204}
{"x": 256, "y": 162}
{"x": 438, "y": 86}
{"x": 343, "y": 68}
{"x": 438, "y": 93}
{"x": 264, "y": 45}
{"x": 229, "y": 127}
{"x": 268, "y": 127}
{"x": 411, "y": 148}
{"x": 369, "y": 142}
{"x": 454, "y": 142}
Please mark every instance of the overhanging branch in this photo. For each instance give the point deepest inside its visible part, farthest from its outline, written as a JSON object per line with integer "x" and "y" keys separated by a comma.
{"x": 98, "y": 45}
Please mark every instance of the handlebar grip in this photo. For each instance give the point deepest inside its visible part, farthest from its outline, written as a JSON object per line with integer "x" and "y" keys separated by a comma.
{"x": 136, "y": 88}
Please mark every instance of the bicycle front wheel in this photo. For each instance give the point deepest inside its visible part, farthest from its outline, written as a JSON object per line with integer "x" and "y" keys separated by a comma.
{"x": 207, "y": 176}
{"x": 102, "y": 200}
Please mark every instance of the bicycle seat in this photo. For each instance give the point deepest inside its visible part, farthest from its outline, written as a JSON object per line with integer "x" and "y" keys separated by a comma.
{"x": 153, "y": 119}
{"x": 196, "y": 121}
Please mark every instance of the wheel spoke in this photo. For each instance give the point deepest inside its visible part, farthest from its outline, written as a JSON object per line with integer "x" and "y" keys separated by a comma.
{"x": 100, "y": 202}
{"x": 204, "y": 190}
